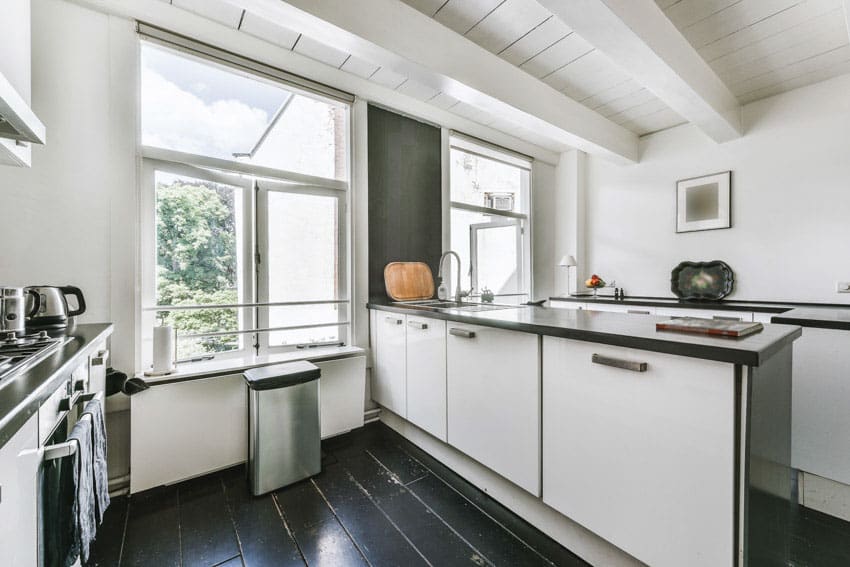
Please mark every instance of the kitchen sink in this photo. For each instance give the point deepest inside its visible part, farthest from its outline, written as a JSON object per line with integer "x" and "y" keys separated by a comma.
{"x": 440, "y": 305}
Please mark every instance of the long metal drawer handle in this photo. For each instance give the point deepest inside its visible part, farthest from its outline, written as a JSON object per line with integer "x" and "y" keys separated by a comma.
{"x": 417, "y": 325}
{"x": 638, "y": 312}
{"x": 619, "y": 363}
{"x": 462, "y": 333}
{"x": 393, "y": 320}
{"x": 722, "y": 318}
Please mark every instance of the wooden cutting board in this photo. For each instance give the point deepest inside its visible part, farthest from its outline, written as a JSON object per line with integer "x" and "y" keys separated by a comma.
{"x": 408, "y": 281}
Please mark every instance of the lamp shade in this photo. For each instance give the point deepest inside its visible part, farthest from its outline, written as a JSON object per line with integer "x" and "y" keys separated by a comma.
{"x": 567, "y": 261}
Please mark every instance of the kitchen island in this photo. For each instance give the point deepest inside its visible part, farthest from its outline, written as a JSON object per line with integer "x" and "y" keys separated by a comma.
{"x": 675, "y": 448}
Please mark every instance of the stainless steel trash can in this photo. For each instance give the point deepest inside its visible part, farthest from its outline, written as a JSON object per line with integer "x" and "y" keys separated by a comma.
{"x": 284, "y": 438}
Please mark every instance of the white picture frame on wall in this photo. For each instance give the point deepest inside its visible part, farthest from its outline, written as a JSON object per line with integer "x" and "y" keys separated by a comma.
{"x": 704, "y": 203}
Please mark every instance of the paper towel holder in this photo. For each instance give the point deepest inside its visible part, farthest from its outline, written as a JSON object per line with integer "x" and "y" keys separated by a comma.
{"x": 173, "y": 357}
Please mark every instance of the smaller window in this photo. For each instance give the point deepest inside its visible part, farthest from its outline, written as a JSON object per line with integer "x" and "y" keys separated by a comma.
{"x": 490, "y": 204}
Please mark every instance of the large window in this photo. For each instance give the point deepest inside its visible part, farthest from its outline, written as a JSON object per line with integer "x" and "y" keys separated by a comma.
{"x": 245, "y": 185}
{"x": 490, "y": 203}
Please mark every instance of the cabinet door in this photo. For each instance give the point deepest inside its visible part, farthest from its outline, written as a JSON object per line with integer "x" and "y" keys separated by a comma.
{"x": 646, "y": 459}
{"x": 390, "y": 381}
{"x": 426, "y": 374}
{"x": 19, "y": 464}
{"x": 820, "y": 398}
{"x": 493, "y": 396}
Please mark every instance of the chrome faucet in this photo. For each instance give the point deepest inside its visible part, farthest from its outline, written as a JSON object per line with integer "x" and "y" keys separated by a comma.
{"x": 440, "y": 272}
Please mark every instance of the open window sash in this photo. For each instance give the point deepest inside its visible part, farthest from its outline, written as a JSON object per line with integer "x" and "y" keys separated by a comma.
{"x": 497, "y": 256}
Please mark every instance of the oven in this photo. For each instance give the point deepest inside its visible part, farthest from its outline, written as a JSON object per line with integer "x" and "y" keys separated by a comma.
{"x": 56, "y": 494}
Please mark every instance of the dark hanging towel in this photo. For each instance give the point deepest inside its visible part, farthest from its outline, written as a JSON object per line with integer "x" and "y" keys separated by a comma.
{"x": 84, "y": 509}
{"x": 58, "y": 494}
{"x": 101, "y": 479}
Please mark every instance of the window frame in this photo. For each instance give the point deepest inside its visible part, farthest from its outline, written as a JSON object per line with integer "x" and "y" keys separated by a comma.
{"x": 485, "y": 150}
{"x": 248, "y": 178}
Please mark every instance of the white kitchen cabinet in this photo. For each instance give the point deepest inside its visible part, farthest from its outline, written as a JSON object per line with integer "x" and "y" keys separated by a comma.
{"x": 723, "y": 315}
{"x": 820, "y": 396}
{"x": 389, "y": 381}
{"x": 645, "y": 459}
{"x": 493, "y": 400}
{"x": 426, "y": 374}
{"x": 19, "y": 465}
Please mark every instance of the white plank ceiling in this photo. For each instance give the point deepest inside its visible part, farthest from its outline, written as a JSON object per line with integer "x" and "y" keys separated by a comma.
{"x": 761, "y": 48}
{"x": 757, "y": 47}
{"x": 526, "y": 34}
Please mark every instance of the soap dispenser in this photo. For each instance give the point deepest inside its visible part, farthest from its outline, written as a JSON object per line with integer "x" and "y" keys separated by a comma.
{"x": 442, "y": 291}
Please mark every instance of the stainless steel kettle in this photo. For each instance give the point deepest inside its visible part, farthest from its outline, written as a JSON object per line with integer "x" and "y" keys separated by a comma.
{"x": 53, "y": 311}
{"x": 14, "y": 309}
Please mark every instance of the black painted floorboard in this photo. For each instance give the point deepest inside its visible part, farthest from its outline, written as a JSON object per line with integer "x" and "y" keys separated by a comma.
{"x": 378, "y": 501}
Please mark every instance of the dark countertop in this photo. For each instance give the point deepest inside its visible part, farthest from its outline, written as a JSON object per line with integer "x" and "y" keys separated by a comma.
{"x": 618, "y": 329}
{"x": 759, "y": 306}
{"x": 820, "y": 317}
{"x": 21, "y": 396}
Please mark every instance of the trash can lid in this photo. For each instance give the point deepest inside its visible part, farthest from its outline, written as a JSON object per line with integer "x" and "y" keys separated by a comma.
{"x": 281, "y": 375}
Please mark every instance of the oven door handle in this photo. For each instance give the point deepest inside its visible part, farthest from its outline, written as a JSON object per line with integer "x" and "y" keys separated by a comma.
{"x": 68, "y": 448}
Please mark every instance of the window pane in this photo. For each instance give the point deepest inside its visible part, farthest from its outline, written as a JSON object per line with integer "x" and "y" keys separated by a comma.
{"x": 198, "y": 257}
{"x": 196, "y": 106}
{"x": 497, "y": 258}
{"x": 303, "y": 265}
{"x": 483, "y": 182}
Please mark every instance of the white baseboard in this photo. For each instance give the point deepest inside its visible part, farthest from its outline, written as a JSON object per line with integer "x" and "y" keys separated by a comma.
{"x": 824, "y": 495}
{"x": 571, "y": 535}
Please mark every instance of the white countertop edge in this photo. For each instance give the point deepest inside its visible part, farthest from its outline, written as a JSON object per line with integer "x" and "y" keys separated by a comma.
{"x": 235, "y": 365}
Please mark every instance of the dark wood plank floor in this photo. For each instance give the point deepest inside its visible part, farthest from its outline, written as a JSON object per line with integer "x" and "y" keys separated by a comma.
{"x": 378, "y": 501}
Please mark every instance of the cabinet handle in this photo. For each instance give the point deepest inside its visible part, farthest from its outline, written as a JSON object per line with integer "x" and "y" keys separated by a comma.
{"x": 462, "y": 333}
{"x": 393, "y": 320}
{"x": 417, "y": 325}
{"x": 638, "y": 312}
{"x": 722, "y": 318}
{"x": 100, "y": 358}
{"x": 619, "y": 363}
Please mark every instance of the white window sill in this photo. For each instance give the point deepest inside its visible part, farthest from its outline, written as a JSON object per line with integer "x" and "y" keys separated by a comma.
{"x": 235, "y": 365}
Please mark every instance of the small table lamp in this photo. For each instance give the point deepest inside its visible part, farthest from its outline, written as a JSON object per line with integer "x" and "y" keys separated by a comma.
{"x": 567, "y": 262}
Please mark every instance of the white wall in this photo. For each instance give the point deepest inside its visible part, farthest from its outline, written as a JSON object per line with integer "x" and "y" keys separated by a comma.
{"x": 790, "y": 202}
{"x": 70, "y": 219}
{"x": 15, "y": 46}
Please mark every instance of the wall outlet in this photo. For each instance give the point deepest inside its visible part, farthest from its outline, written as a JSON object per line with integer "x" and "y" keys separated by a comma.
{"x": 842, "y": 287}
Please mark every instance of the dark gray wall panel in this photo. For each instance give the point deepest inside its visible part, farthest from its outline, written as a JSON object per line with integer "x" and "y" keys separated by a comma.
{"x": 405, "y": 216}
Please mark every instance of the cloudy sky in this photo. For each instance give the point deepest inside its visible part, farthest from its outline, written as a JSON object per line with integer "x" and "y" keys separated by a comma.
{"x": 199, "y": 108}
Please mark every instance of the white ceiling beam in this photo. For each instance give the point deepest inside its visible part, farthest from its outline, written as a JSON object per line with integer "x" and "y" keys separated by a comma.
{"x": 642, "y": 41}
{"x": 846, "y": 4}
{"x": 394, "y": 35}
